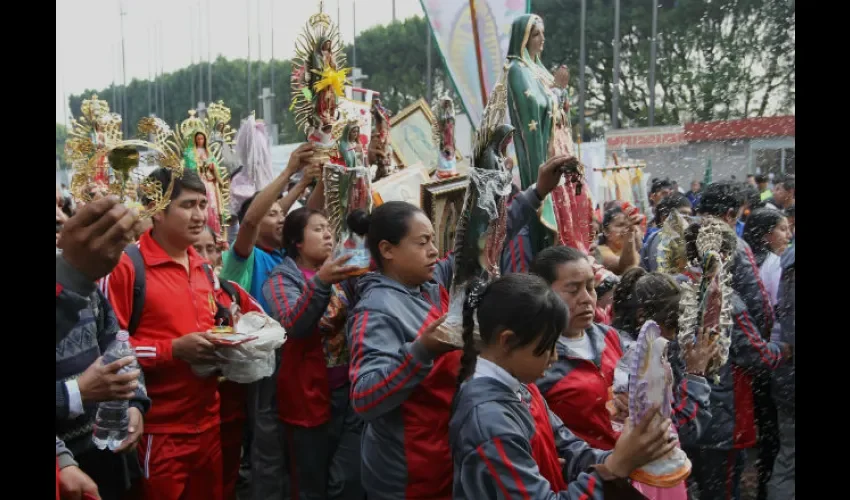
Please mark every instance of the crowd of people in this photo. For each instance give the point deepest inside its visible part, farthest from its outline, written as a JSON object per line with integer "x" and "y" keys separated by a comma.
{"x": 367, "y": 400}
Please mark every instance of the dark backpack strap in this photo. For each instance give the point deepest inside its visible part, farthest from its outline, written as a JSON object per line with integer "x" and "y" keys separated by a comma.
{"x": 139, "y": 284}
{"x": 230, "y": 290}
{"x": 208, "y": 270}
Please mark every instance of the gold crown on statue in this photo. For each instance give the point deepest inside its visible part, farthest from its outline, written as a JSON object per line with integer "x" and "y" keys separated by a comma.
{"x": 96, "y": 127}
{"x": 217, "y": 112}
{"x": 94, "y": 108}
{"x": 192, "y": 125}
{"x": 104, "y": 163}
{"x": 320, "y": 18}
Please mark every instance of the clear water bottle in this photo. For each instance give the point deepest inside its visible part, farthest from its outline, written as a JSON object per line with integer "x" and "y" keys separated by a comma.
{"x": 112, "y": 419}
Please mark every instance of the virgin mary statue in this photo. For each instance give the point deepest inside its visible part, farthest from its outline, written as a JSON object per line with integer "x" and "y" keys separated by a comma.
{"x": 198, "y": 157}
{"x": 538, "y": 107}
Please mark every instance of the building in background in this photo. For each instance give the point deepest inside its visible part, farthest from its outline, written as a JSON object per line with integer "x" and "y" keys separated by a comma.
{"x": 736, "y": 147}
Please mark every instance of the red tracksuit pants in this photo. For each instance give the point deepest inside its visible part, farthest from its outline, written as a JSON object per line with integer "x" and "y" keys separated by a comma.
{"x": 57, "y": 478}
{"x": 181, "y": 466}
{"x": 231, "y": 455}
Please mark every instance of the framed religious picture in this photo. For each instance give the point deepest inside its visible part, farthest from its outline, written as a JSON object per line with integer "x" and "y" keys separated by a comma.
{"x": 400, "y": 186}
{"x": 411, "y": 136}
{"x": 442, "y": 202}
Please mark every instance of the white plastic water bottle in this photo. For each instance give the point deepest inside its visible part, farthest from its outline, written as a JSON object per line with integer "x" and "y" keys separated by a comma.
{"x": 112, "y": 420}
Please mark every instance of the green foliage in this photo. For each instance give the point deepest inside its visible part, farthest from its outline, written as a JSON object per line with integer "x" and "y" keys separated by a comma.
{"x": 61, "y": 135}
{"x": 717, "y": 60}
{"x": 395, "y": 61}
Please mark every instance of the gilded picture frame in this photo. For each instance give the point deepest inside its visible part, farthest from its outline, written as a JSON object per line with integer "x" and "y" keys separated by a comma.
{"x": 442, "y": 202}
{"x": 401, "y": 186}
{"x": 411, "y": 136}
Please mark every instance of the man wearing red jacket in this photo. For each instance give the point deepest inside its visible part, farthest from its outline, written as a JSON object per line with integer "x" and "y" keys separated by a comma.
{"x": 180, "y": 451}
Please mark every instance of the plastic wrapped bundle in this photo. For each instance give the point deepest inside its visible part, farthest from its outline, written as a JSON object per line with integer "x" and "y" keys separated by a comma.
{"x": 252, "y": 146}
{"x": 651, "y": 383}
{"x": 706, "y": 303}
{"x": 348, "y": 190}
{"x": 249, "y": 361}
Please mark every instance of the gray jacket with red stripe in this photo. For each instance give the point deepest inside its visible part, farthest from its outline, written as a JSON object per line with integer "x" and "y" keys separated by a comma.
{"x": 303, "y": 393}
{"x": 517, "y": 254}
{"x": 732, "y": 425}
{"x": 747, "y": 283}
{"x": 691, "y": 413}
{"x": 491, "y": 432}
{"x": 402, "y": 392}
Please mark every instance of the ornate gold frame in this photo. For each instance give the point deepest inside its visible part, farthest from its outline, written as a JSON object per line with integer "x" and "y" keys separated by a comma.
{"x": 432, "y": 191}
{"x": 419, "y": 105}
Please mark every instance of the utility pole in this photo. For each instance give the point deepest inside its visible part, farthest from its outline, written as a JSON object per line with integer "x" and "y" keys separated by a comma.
{"x": 271, "y": 117}
{"x": 200, "y": 57}
{"x": 354, "y": 33}
{"x": 615, "y": 90}
{"x": 150, "y": 74}
{"x": 126, "y": 113}
{"x": 394, "y": 11}
{"x": 248, "y": 24}
{"x": 259, "y": 55}
{"x": 192, "y": 59}
{"x": 428, "y": 91}
{"x": 209, "y": 54}
{"x": 156, "y": 72}
{"x": 162, "y": 73}
{"x": 581, "y": 65}
{"x": 114, "y": 106}
{"x": 652, "y": 56}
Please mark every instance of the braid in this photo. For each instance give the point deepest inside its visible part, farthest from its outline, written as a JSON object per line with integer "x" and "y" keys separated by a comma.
{"x": 470, "y": 352}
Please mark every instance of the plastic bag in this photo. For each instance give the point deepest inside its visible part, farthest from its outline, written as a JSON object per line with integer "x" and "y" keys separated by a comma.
{"x": 252, "y": 360}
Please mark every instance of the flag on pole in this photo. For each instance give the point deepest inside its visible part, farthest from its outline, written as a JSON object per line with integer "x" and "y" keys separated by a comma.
{"x": 707, "y": 178}
{"x": 472, "y": 37}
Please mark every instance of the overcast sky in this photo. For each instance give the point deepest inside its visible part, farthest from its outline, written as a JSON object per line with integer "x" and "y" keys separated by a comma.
{"x": 88, "y": 34}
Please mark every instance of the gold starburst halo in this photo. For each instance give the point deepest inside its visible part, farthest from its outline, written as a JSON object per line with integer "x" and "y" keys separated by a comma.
{"x": 125, "y": 157}
{"x": 96, "y": 127}
{"x": 317, "y": 28}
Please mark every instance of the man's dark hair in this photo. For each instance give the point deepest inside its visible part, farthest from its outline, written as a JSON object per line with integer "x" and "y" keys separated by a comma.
{"x": 673, "y": 202}
{"x": 790, "y": 211}
{"x": 659, "y": 184}
{"x": 243, "y": 209}
{"x": 786, "y": 181}
{"x": 751, "y": 196}
{"x": 189, "y": 181}
{"x": 761, "y": 179}
{"x": 720, "y": 197}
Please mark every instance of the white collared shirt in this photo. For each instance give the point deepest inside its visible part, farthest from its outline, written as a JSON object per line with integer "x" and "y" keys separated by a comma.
{"x": 487, "y": 368}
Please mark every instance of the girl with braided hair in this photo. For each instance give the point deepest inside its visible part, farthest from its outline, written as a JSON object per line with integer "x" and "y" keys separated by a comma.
{"x": 505, "y": 441}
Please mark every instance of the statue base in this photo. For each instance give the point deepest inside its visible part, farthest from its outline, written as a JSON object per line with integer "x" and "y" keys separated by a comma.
{"x": 446, "y": 168}
{"x": 666, "y": 472}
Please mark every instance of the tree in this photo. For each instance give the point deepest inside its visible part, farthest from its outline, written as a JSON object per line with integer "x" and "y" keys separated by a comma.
{"x": 395, "y": 59}
{"x": 716, "y": 60}
{"x": 61, "y": 135}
